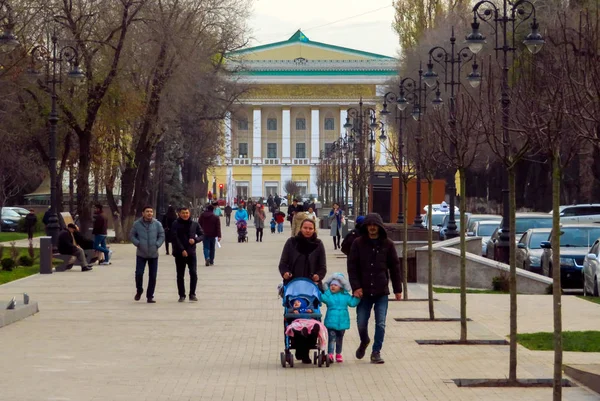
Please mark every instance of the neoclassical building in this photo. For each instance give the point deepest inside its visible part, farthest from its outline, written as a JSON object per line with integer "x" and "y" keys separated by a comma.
{"x": 296, "y": 107}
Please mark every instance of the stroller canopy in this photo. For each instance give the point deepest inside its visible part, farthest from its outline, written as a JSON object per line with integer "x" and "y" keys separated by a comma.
{"x": 301, "y": 286}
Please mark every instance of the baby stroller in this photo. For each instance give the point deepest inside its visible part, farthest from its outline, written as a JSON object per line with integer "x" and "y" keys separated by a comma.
{"x": 242, "y": 230}
{"x": 302, "y": 321}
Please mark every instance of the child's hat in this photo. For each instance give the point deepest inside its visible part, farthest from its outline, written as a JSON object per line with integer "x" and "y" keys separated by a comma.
{"x": 336, "y": 282}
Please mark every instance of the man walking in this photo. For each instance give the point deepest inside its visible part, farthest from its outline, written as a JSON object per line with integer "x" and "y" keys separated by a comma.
{"x": 186, "y": 234}
{"x": 99, "y": 232}
{"x": 211, "y": 225}
{"x": 294, "y": 208}
{"x": 147, "y": 234}
{"x": 30, "y": 222}
{"x": 228, "y": 211}
{"x": 68, "y": 246}
{"x": 371, "y": 263}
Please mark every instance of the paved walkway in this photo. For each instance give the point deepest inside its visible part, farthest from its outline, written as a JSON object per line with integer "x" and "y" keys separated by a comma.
{"x": 92, "y": 342}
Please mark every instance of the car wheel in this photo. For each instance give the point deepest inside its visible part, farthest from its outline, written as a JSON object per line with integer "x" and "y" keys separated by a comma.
{"x": 596, "y": 286}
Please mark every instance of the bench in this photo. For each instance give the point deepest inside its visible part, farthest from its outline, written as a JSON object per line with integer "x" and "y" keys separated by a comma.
{"x": 67, "y": 261}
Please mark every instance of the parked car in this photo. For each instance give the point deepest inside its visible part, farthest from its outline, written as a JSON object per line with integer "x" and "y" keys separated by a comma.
{"x": 591, "y": 270}
{"x": 22, "y": 211}
{"x": 575, "y": 242}
{"x": 524, "y": 221}
{"x": 474, "y": 218}
{"x": 585, "y": 213}
{"x": 437, "y": 218}
{"x": 529, "y": 249}
{"x": 444, "y": 225}
{"x": 484, "y": 229}
{"x": 10, "y": 219}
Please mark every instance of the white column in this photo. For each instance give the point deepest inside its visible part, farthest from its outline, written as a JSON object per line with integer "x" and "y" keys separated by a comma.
{"x": 383, "y": 152}
{"x": 286, "y": 175}
{"x": 228, "y": 137}
{"x": 315, "y": 124}
{"x": 312, "y": 182}
{"x": 343, "y": 115}
{"x": 286, "y": 143}
{"x": 257, "y": 181}
{"x": 257, "y": 137}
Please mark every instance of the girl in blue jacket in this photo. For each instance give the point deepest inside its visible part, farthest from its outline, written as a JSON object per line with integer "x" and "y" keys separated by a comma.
{"x": 338, "y": 298}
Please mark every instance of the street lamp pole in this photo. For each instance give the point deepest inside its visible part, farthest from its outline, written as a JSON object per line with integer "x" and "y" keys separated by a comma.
{"x": 54, "y": 59}
{"x": 513, "y": 15}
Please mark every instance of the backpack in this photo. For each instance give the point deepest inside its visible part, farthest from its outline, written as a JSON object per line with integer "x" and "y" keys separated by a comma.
{"x": 348, "y": 240}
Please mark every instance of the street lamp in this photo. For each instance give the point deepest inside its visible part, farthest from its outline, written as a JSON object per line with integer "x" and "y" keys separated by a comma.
{"x": 8, "y": 40}
{"x": 504, "y": 22}
{"x": 452, "y": 63}
{"x": 54, "y": 59}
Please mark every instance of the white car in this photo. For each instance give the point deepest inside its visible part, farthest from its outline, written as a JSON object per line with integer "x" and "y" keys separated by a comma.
{"x": 582, "y": 214}
{"x": 591, "y": 270}
{"x": 484, "y": 229}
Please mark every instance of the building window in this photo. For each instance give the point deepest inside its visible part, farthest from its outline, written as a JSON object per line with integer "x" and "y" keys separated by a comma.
{"x": 300, "y": 150}
{"x": 271, "y": 124}
{"x": 243, "y": 125}
{"x": 243, "y": 150}
{"x": 271, "y": 150}
{"x": 301, "y": 124}
{"x": 329, "y": 124}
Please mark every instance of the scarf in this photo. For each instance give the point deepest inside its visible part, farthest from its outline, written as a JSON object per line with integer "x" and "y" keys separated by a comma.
{"x": 306, "y": 245}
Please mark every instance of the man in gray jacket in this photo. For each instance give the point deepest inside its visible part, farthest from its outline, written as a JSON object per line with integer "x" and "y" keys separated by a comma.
{"x": 147, "y": 234}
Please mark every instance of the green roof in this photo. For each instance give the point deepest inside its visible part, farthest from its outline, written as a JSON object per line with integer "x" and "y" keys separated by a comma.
{"x": 302, "y": 38}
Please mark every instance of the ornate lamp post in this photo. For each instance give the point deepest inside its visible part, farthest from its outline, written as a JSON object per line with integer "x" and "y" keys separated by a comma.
{"x": 503, "y": 21}
{"x": 452, "y": 63}
{"x": 54, "y": 58}
{"x": 8, "y": 40}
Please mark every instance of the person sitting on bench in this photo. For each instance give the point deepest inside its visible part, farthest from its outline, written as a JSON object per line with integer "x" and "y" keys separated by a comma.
{"x": 68, "y": 246}
{"x": 86, "y": 244}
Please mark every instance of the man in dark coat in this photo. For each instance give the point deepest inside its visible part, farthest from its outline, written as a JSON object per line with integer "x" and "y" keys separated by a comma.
{"x": 295, "y": 207}
{"x": 372, "y": 262}
{"x": 352, "y": 235}
{"x": 186, "y": 234}
{"x": 277, "y": 201}
{"x": 211, "y": 225}
{"x": 30, "y": 222}
{"x": 68, "y": 246}
{"x": 228, "y": 211}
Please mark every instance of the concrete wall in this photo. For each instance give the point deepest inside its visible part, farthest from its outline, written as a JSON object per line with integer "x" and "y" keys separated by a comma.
{"x": 479, "y": 270}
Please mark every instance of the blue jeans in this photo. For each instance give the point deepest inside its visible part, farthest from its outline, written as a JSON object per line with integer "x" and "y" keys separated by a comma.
{"x": 208, "y": 244}
{"x": 279, "y": 227}
{"x": 100, "y": 245}
{"x": 140, "y": 266}
{"x": 336, "y": 339}
{"x": 363, "y": 313}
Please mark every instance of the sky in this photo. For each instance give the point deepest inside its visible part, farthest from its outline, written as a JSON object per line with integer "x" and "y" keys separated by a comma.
{"x": 361, "y": 25}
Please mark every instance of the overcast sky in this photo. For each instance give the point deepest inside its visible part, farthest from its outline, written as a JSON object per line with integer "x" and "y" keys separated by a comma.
{"x": 357, "y": 24}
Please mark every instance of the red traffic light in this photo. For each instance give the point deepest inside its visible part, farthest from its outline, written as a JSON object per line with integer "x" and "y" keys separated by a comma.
{"x": 221, "y": 186}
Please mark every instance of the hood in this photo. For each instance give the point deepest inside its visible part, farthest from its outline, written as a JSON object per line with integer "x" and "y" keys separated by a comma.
{"x": 341, "y": 278}
{"x": 207, "y": 213}
{"x": 373, "y": 218}
{"x": 574, "y": 252}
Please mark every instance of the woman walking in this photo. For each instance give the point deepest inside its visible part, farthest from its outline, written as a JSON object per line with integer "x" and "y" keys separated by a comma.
{"x": 303, "y": 256}
{"x": 167, "y": 223}
{"x": 336, "y": 221}
{"x": 259, "y": 221}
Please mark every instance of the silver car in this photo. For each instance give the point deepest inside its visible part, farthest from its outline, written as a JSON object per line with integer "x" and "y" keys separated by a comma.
{"x": 483, "y": 229}
{"x": 529, "y": 249}
{"x": 591, "y": 270}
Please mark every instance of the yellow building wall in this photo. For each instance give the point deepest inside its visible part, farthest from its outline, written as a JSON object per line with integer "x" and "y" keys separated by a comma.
{"x": 304, "y": 50}
{"x": 311, "y": 91}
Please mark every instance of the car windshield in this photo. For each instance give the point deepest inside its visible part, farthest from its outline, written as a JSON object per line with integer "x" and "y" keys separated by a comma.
{"x": 526, "y": 223}
{"x": 536, "y": 240}
{"x": 486, "y": 230}
{"x": 10, "y": 213}
{"x": 437, "y": 219}
{"x": 578, "y": 237}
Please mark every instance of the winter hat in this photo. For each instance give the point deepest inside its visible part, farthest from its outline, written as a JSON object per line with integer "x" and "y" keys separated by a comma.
{"x": 360, "y": 219}
{"x": 336, "y": 282}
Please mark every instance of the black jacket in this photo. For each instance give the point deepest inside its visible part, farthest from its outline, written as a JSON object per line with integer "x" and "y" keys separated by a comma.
{"x": 83, "y": 242}
{"x": 372, "y": 263}
{"x": 65, "y": 243}
{"x": 293, "y": 209}
{"x": 303, "y": 258}
{"x": 100, "y": 225}
{"x": 349, "y": 240}
{"x": 30, "y": 221}
{"x": 228, "y": 210}
{"x": 181, "y": 233}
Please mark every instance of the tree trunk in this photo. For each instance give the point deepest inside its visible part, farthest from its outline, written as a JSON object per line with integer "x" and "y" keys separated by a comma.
{"x": 430, "y": 249}
{"x": 512, "y": 205}
{"x": 556, "y": 285}
{"x": 83, "y": 186}
{"x": 463, "y": 257}
{"x": 405, "y": 246}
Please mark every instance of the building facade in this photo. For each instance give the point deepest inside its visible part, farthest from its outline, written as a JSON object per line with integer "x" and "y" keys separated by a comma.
{"x": 295, "y": 108}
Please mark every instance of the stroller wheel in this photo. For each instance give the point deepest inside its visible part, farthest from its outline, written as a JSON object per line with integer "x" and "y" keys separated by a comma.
{"x": 315, "y": 358}
{"x": 291, "y": 360}
{"x": 320, "y": 360}
{"x": 327, "y": 361}
{"x": 282, "y": 355}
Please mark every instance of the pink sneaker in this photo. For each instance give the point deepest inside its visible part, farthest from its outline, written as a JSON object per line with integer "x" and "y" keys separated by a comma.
{"x": 330, "y": 356}
{"x": 338, "y": 358}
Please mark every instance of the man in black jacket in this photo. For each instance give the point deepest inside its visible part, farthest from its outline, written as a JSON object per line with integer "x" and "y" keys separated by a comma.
{"x": 68, "y": 246}
{"x": 371, "y": 263}
{"x": 186, "y": 234}
{"x": 293, "y": 209}
{"x": 228, "y": 211}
